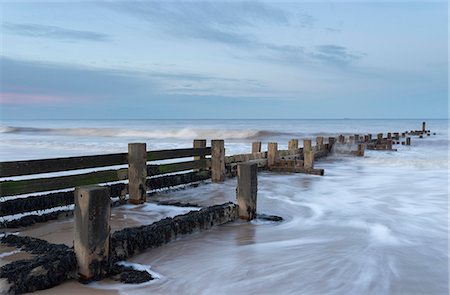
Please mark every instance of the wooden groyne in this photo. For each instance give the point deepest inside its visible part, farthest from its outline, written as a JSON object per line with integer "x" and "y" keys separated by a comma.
{"x": 88, "y": 196}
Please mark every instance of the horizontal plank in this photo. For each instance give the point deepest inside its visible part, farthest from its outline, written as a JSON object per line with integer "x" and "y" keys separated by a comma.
{"x": 177, "y": 167}
{"x": 18, "y": 168}
{"x": 47, "y": 201}
{"x": 17, "y": 187}
{"x": 178, "y": 179}
{"x": 177, "y": 153}
{"x": 297, "y": 170}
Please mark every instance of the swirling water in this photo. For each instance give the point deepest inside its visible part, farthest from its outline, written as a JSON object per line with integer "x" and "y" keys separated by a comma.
{"x": 372, "y": 225}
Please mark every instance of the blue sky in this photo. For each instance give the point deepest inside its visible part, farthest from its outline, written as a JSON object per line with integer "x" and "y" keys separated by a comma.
{"x": 229, "y": 59}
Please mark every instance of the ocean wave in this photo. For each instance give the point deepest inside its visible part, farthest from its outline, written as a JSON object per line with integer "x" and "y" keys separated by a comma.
{"x": 183, "y": 133}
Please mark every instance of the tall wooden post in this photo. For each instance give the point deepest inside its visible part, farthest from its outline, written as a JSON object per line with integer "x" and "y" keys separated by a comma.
{"x": 319, "y": 140}
{"x": 330, "y": 143}
{"x": 360, "y": 152}
{"x": 408, "y": 141}
{"x": 308, "y": 154}
{"x": 199, "y": 143}
{"x": 379, "y": 138}
{"x": 424, "y": 126}
{"x": 389, "y": 144}
{"x": 293, "y": 145}
{"x": 272, "y": 153}
{"x": 137, "y": 172}
{"x": 92, "y": 215}
{"x": 256, "y": 147}
{"x": 217, "y": 160}
{"x": 246, "y": 191}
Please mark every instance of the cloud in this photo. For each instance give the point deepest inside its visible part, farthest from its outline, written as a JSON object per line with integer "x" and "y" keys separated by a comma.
{"x": 335, "y": 54}
{"x": 102, "y": 85}
{"x": 237, "y": 25}
{"x": 54, "y": 32}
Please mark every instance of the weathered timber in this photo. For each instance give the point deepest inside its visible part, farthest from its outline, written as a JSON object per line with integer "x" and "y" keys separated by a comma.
{"x": 29, "y": 220}
{"x": 178, "y": 179}
{"x": 177, "y": 167}
{"x": 424, "y": 126}
{"x": 217, "y": 160}
{"x": 304, "y": 170}
{"x": 177, "y": 153}
{"x": 47, "y": 201}
{"x": 246, "y": 190}
{"x": 360, "y": 151}
{"x": 408, "y": 141}
{"x": 18, "y": 168}
{"x": 331, "y": 141}
{"x": 199, "y": 143}
{"x": 308, "y": 154}
{"x": 245, "y": 157}
{"x": 256, "y": 147}
{"x": 272, "y": 153}
{"x": 17, "y": 187}
{"x": 130, "y": 241}
{"x": 137, "y": 172}
{"x": 92, "y": 225}
{"x": 52, "y": 265}
{"x": 319, "y": 143}
{"x": 293, "y": 144}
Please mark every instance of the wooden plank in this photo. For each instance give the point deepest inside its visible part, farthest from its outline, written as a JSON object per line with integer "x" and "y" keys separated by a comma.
{"x": 17, "y": 168}
{"x": 17, "y": 187}
{"x": 178, "y": 179}
{"x": 297, "y": 170}
{"x": 51, "y": 200}
{"x": 177, "y": 153}
{"x": 177, "y": 167}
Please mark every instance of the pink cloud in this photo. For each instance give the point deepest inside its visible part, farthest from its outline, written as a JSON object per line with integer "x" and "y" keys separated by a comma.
{"x": 30, "y": 99}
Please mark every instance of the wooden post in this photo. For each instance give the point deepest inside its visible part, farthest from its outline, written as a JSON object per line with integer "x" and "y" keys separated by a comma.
{"x": 256, "y": 147}
{"x": 217, "y": 160}
{"x": 330, "y": 143}
{"x": 137, "y": 172}
{"x": 389, "y": 144}
{"x": 424, "y": 127}
{"x": 389, "y": 135}
{"x": 308, "y": 155}
{"x": 356, "y": 138}
{"x": 408, "y": 141}
{"x": 272, "y": 153}
{"x": 246, "y": 191}
{"x": 199, "y": 143}
{"x": 341, "y": 139}
{"x": 319, "y": 140}
{"x": 379, "y": 138}
{"x": 361, "y": 148}
{"x": 307, "y": 145}
{"x": 366, "y": 138}
{"x": 92, "y": 215}
{"x": 293, "y": 145}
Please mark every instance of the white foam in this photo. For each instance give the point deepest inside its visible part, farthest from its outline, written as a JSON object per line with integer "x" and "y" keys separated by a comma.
{"x": 381, "y": 234}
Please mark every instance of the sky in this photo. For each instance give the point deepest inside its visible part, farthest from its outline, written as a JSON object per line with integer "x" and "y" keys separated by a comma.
{"x": 229, "y": 59}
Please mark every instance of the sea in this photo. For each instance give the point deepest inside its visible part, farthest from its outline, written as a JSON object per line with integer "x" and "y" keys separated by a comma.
{"x": 376, "y": 224}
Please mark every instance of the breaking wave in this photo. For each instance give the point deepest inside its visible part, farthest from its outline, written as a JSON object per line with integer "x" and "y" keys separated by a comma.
{"x": 182, "y": 133}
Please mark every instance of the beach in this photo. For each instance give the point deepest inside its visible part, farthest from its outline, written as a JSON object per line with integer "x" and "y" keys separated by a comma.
{"x": 376, "y": 224}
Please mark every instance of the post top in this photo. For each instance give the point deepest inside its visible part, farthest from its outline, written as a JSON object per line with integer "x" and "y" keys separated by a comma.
{"x": 91, "y": 188}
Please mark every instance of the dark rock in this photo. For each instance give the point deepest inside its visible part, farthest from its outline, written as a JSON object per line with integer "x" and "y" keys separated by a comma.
{"x": 269, "y": 217}
{"x": 129, "y": 275}
{"x": 177, "y": 204}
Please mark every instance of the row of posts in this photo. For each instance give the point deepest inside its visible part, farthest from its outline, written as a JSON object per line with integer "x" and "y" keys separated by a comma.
{"x": 93, "y": 208}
